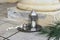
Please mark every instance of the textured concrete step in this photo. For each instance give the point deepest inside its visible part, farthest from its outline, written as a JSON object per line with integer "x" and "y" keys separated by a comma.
{"x": 28, "y": 36}
{"x": 4, "y": 27}
{"x": 1, "y": 38}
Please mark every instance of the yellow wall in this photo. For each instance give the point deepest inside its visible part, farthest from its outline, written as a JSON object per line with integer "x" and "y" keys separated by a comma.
{"x": 10, "y": 1}
{"x": 3, "y": 1}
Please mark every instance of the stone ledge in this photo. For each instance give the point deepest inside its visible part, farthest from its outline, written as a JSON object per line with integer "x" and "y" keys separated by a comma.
{"x": 45, "y": 18}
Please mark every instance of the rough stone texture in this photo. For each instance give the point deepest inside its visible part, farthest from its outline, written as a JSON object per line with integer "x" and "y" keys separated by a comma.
{"x": 3, "y": 1}
{"x": 1, "y": 38}
{"x": 28, "y": 36}
{"x": 5, "y": 23}
{"x": 12, "y": 1}
{"x": 39, "y": 5}
{"x": 20, "y": 35}
{"x": 1, "y": 22}
{"x": 9, "y": 1}
{"x": 23, "y": 16}
{"x": 3, "y": 14}
{"x": 3, "y": 9}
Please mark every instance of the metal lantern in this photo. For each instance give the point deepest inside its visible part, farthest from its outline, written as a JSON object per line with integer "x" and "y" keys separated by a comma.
{"x": 32, "y": 26}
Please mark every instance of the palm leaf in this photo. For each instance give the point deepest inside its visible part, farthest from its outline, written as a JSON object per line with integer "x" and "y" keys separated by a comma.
{"x": 54, "y": 31}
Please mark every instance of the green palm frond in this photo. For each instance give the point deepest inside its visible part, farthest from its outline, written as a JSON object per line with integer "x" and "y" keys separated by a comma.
{"x": 54, "y": 31}
{"x": 44, "y": 31}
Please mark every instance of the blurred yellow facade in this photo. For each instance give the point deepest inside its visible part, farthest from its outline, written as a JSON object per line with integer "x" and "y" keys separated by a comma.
{"x": 12, "y": 1}
{"x": 9, "y": 1}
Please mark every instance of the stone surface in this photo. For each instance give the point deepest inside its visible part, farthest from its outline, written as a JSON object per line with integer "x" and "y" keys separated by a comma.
{"x": 1, "y": 38}
{"x": 44, "y": 18}
{"x": 5, "y": 23}
{"x": 10, "y": 32}
{"x": 12, "y": 1}
{"x": 3, "y": 9}
{"x": 3, "y": 15}
{"x": 39, "y": 1}
{"x": 4, "y": 27}
{"x": 1, "y": 22}
{"x": 19, "y": 35}
{"x": 28, "y": 36}
{"x": 9, "y": 1}
{"x": 39, "y": 5}
{"x": 3, "y": 1}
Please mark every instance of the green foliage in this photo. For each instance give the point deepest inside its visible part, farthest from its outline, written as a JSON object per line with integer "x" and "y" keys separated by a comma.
{"x": 54, "y": 31}
{"x": 44, "y": 31}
